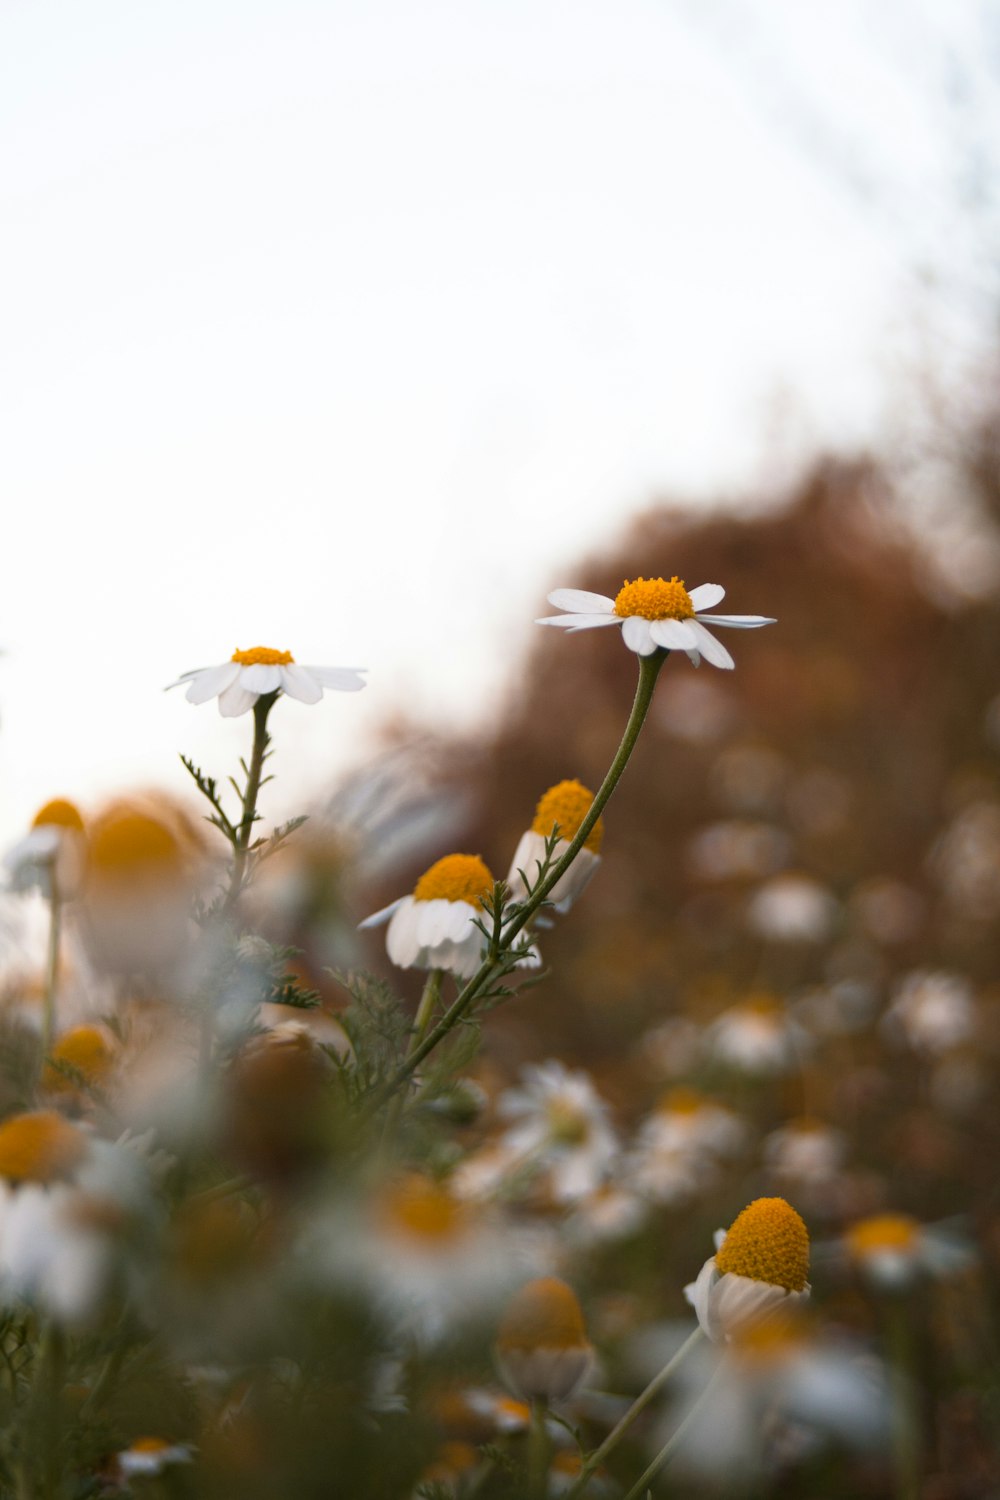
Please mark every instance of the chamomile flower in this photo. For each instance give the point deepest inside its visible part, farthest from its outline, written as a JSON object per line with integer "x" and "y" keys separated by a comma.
{"x": 436, "y": 927}
{"x": 893, "y": 1251}
{"x": 760, "y": 1265}
{"x": 757, "y": 1037}
{"x": 932, "y": 1011}
{"x": 248, "y": 675}
{"x": 655, "y": 614}
{"x": 50, "y": 857}
{"x": 149, "y": 1456}
{"x": 542, "y": 1345}
{"x": 561, "y": 810}
{"x": 560, "y": 1126}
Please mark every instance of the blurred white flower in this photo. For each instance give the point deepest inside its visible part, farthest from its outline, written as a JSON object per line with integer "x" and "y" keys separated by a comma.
{"x": 893, "y": 1251}
{"x": 146, "y": 1457}
{"x": 761, "y": 1264}
{"x": 563, "y": 806}
{"x": 611, "y": 1212}
{"x": 542, "y": 1347}
{"x": 738, "y": 849}
{"x": 805, "y": 1151}
{"x": 655, "y": 614}
{"x": 757, "y": 1037}
{"x": 248, "y": 675}
{"x": 51, "y": 855}
{"x": 932, "y": 1010}
{"x": 792, "y": 909}
{"x": 686, "y": 1120}
{"x": 561, "y": 1126}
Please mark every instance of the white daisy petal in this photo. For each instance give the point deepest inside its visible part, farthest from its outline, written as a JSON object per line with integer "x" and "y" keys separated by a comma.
{"x": 581, "y": 602}
{"x": 738, "y": 622}
{"x": 212, "y": 681}
{"x": 706, "y": 594}
{"x": 236, "y": 700}
{"x": 260, "y": 678}
{"x": 402, "y": 942}
{"x": 379, "y": 918}
{"x": 711, "y": 649}
{"x": 298, "y": 682}
{"x": 635, "y": 632}
{"x": 674, "y": 635}
{"x": 341, "y": 679}
{"x": 591, "y": 622}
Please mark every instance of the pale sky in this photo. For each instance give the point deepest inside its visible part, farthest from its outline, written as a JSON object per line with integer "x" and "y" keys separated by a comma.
{"x": 350, "y": 328}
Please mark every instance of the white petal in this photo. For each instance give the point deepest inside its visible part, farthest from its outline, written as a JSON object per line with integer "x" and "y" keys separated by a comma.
{"x": 260, "y": 678}
{"x": 711, "y": 649}
{"x": 236, "y": 700}
{"x": 432, "y": 921}
{"x": 694, "y": 657}
{"x": 401, "y": 941}
{"x": 706, "y": 594}
{"x": 738, "y": 622}
{"x": 186, "y": 677}
{"x": 212, "y": 681}
{"x": 581, "y": 602}
{"x": 379, "y": 918}
{"x": 341, "y": 679}
{"x": 699, "y": 1294}
{"x": 298, "y": 682}
{"x": 579, "y": 622}
{"x": 636, "y": 634}
{"x": 675, "y": 635}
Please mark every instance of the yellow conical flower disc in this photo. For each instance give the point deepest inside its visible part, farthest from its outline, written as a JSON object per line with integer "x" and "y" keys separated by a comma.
{"x": 39, "y": 1147}
{"x": 654, "y": 599}
{"x": 263, "y": 656}
{"x": 882, "y": 1232}
{"x": 457, "y": 877}
{"x": 60, "y": 814}
{"x": 768, "y": 1242}
{"x": 85, "y": 1049}
{"x": 566, "y": 805}
{"x": 422, "y": 1209}
{"x": 545, "y": 1314}
{"x": 127, "y": 840}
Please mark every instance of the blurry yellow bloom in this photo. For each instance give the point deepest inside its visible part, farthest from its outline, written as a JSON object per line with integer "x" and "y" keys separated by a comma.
{"x": 760, "y": 1264}
{"x": 561, "y": 809}
{"x": 542, "y": 1345}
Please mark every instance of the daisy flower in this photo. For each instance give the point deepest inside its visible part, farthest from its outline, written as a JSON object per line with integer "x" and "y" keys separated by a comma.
{"x": 560, "y": 810}
{"x": 51, "y": 855}
{"x": 247, "y": 675}
{"x": 560, "y": 1125}
{"x": 542, "y": 1346}
{"x": 893, "y": 1251}
{"x": 760, "y": 1265}
{"x": 655, "y": 614}
{"x": 436, "y": 927}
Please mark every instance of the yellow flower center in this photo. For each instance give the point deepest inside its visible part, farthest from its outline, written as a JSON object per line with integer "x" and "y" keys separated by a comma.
{"x": 654, "y": 599}
{"x": 149, "y": 1445}
{"x": 882, "y": 1232}
{"x": 60, "y": 813}
{"x": 768, "y": 1242}
{"x": 263, "y": 656}
{"x": 124, "y": 841}
{"x": 568, "y": 1125}
{"x": 39, "y": 1147}
{"x": 87, "y": 1050}
{"x": 682, "y": 1101}
{"x": 457, "y": 877}
{"x": 543, "y": 1315}
{"x": 424, "y": 1210}
{"x": 564, "y": 807}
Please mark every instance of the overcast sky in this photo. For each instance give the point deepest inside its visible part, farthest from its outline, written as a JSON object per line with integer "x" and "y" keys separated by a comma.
{"x": 349, "y": 328}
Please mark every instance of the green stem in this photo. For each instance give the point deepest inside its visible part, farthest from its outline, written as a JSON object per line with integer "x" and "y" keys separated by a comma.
{"x": 639, "y": 1405}
{"x": 538, "y": 1450}
{"x": 905, "y": 1444}
{"x": 244, "y": 832}
{"x": 51, "y": 968}
{"x": 669, "y": 1448}
{"x": 425, "y": 1012}
{"x": 649, "y": 667}
{"x": 53, "y": 1360}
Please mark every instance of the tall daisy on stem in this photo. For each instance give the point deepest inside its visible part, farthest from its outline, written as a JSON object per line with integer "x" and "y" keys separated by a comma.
{"x": 639, "y": 606}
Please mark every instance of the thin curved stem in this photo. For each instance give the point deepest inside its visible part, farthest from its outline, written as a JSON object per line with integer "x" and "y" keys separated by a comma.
{"x": 649, "y": 667}
{"x": 638, "y": 1406}
{"x": 670, "y": 1447}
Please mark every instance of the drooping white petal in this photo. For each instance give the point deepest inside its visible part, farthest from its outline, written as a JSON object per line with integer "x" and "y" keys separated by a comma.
{"x": 579, "y": 622}
{"x": 379, "y": 918}
{"x": 711, "y": 649}
{"x": 432, "y": 921}
{"x": 699, "y": 1294}
{"x": 235, "y": 700}
{"x": 185, "y": 677}
{"x": 401, "y": 941}
{"x": 635, "y": 632}
{"x": 211, "y": 681}
{"x": 738, "y": 622}
{"x": 674, "y": 635}
{"x": 260, "y": 678}
{"x": 706, "y": 594}
{"x": 298, "y": 682}
{"x": 582, "y": 602}
{"x": 341, "y": 679}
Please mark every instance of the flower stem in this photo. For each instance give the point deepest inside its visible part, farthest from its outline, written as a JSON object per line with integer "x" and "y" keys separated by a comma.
{"x": 51, "y": 969}
{"x": 425, "y": 1012}
{"x": 244, "y": 831}
{"x": 538, "y": 1450}
{"x": 905, "y": 1448}
{"x": 639, "y": 1405}
{"x": 669, "y": 1448}
{"x": 649, "y": 667}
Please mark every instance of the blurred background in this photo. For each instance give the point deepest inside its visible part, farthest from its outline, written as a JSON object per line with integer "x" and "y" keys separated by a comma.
{"x": 351, "y": 329}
